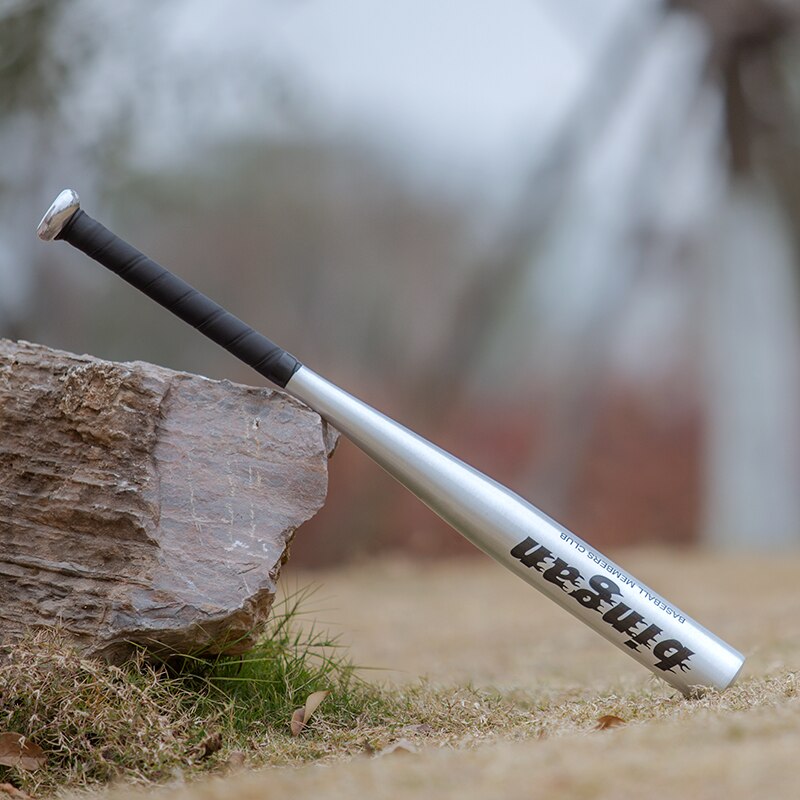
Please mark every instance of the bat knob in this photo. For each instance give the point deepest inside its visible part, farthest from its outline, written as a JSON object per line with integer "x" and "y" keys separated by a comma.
{"x": 64, "y": 206}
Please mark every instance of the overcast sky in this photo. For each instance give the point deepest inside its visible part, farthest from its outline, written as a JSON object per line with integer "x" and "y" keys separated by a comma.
{"x": 465, "y": 84}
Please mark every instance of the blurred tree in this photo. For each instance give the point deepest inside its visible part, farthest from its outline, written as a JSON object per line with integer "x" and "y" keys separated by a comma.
{"x": 34, "y": 72}
{"x": 753, "y": 387}
{"x": 666, "y": 186}
{"x": 687, "y": 105}
{"x": 30, "y": 77}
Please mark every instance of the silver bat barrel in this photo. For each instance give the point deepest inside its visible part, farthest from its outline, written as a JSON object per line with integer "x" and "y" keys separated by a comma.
{"x": 529, "y": 543}
{"x": 506, "y": 527}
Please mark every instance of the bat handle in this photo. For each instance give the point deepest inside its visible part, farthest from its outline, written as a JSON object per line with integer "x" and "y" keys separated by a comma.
{"x": 65, "y": 220}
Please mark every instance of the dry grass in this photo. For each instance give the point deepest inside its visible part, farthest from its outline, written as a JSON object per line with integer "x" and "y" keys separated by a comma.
{"x": 500, "y": 693}
{"x": 96, "y": 723}
{"x": 148, "y": 723}
{"x": 708, "y": 754}
{"x": 738, "y": 745}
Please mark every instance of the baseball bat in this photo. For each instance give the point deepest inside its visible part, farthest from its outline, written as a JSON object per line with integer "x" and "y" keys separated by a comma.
{"x": 496, "y": 520}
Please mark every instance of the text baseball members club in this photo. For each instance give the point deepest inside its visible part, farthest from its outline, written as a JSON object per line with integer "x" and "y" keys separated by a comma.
{"x": 598, "y": 594}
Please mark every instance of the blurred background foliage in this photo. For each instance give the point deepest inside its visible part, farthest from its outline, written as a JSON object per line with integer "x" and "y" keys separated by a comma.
{"x": 558, "y": 237}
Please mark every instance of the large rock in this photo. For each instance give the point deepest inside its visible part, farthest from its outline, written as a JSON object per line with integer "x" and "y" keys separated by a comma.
{"x": 142, "y": 505}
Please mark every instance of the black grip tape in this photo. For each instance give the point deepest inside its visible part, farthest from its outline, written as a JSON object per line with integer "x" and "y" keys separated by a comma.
{"x": 180, "y": 298}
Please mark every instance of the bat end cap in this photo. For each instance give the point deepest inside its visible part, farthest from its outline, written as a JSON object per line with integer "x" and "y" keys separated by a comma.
{"x": 59, "y": 213}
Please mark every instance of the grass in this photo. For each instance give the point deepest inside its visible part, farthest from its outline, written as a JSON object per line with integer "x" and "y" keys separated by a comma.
{"x": 738, "y": 744}
{"x": 144, "y": 722}
{"x": 289, "y": 662}
{"x": 148, "y": 723}
{"x": 95, "y": 722}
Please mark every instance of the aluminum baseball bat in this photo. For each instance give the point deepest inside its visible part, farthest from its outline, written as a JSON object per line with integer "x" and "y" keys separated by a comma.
{"x": 506, "y": 527}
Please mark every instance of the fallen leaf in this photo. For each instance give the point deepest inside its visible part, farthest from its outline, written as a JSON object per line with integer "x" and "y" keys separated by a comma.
{"x": 312, "y": 704}
{"x": 7, "y": 790}
{"x": 401, "y": 746}
{"x": 608, "y": 721}
{"x": 207, "y": 748}
{"x": 298, "y": 721}
{"x": 301, "y": 716}
{"x": 422, "y": 728}
{"x": 17, "y": 751}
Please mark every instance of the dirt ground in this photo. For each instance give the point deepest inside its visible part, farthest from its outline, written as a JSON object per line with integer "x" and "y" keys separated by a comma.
{"x": 471, "y": 622}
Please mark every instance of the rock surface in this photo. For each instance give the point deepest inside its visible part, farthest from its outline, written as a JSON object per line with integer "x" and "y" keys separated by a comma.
{"x": 142, "y": 505}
